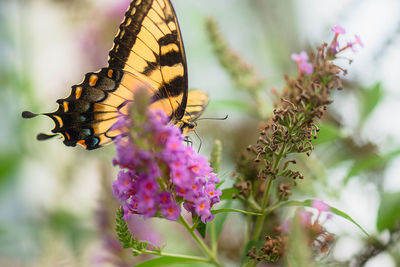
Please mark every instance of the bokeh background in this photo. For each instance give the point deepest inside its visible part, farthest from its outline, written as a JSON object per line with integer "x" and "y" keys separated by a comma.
{"x": 56, "y": 206}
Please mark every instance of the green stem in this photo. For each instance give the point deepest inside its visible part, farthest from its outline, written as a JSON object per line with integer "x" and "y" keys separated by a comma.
{"x": 248, "y": 229}
{"x": 260, "y": 220}
{"x": 274, "y": 207}
{"x": 213, "y": 257}
{"x": 157, "y": 253}
{"x": 254, "y": 205}
{"x": 236, "y": 210}
{"x": 213, "y": 238}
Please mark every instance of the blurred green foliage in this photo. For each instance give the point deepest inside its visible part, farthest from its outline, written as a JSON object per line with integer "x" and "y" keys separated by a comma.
{"x": 369, "y": 100}
{"x": 389, "y": 212}
{"x": 299, "y": 254}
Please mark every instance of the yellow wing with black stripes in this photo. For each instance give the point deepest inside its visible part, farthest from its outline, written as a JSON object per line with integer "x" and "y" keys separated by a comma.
{"x": 149, "y": 45}
{"x": 147, "y": 53}
{"x": 196, "y": 104}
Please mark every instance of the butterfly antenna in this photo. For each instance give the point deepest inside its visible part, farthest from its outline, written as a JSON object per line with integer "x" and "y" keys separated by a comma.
{"x": 214, "y": 119}
{"x": 201, "y": 142}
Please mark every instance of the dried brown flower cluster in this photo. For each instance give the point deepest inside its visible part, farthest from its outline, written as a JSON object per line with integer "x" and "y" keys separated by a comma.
{"x": 272, "y": 250}
{"x": 293, "y": 125}
{"x": 291, "y": 130}
{"x": 320, "y": 240}
{"x": 315, "y": 234}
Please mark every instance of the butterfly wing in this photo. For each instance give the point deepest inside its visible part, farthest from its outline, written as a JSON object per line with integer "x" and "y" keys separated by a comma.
{"x": 148, "y": 53}
{"x": 196, "y": 104}
{"x": 149, "y": 45}
{"x": 86, "y": 116}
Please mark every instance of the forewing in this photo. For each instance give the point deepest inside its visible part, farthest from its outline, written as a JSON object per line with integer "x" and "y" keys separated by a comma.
{"x": 149, "y": 45}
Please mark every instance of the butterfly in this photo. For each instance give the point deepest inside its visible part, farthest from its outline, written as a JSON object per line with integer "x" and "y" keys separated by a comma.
{"x": 148, "y": 53}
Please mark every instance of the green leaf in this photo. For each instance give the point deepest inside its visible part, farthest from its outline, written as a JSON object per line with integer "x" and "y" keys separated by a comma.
{"x": 371, "y": 98}
{"x": 389, "y": 212}
{"x": 124, "y": 236}
{"x": 220, "y": 183}
{"x": 369, "y": 163}
{"x": 328, "y": 133}
{"x": 167, "y": 260}
{"x": 236, "y": 210}
{"x": 308, "y": 203}
{"x": 201, "y": 228}
{"x": 220, "y": 219}
{"x": 299, "y": 253}
{"x": 347, "y": 217}
{"x": 228, "y": 192}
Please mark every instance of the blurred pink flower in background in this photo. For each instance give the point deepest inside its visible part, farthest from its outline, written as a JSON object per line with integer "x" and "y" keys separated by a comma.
{"x": 303, "y": 66}
{"x": 335, "y": 47}
{"x": 118, "y": 8}
{"x": 320, "y": 206}
{"x": 94, "y": 43}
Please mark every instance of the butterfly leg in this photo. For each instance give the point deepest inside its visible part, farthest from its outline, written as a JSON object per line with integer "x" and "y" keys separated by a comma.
{"x": 188, "y": 140}
{"x": 201, "y": 142}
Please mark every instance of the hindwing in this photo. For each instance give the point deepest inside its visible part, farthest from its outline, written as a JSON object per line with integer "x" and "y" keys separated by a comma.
{"x": 87, "y": 115}
{"x": 196, "y": 104}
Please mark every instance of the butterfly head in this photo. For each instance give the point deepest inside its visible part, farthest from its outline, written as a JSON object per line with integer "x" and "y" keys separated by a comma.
{"x": 187, "y": 126}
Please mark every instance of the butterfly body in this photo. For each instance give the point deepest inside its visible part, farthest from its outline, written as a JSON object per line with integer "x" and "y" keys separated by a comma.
{"x": 147, "y": 53}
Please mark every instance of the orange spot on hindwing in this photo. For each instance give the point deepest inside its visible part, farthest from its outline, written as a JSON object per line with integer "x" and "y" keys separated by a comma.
{"x": 110, "y": 73}
{"x": 93, "y": 80}
{"x": 59, "y": 120}
{"x": 78, "y": 92}
{"x": 82, "y": 143}
{"x": 66, "y": 106}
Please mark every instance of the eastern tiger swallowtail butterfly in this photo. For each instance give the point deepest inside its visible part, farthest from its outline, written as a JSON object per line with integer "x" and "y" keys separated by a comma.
{"x": 147, "y": 53}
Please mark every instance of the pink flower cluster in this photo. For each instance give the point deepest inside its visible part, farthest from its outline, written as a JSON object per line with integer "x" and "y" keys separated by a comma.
{"x": 306, "y": 67}
{"x": 159, "y": 173}
{"x": 303, "y": 65}
{"x": 335, "y": 47}
{"x": 305, "y": 217}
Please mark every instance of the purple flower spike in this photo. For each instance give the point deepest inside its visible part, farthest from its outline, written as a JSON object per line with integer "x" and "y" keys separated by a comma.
{"x": 202, "y": 208}
{"x": 158, "y": 172}
{"x": 171, "y": 212}
{"x": 213, "y": 193}
{"x": 165, "y": 198}
{"x": 213, "y": 178}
